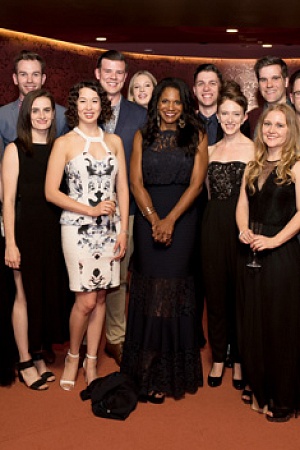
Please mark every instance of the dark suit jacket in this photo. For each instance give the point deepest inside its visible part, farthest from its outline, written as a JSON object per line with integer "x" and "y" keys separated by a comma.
{"x": 131, "y": 118}
{"x": 8, "y": 123}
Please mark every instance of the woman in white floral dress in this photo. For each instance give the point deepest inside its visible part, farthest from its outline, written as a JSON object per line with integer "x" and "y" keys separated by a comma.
{"x": 94, "y": 219}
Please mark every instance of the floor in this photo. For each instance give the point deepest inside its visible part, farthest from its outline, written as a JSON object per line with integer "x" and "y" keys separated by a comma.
{"x": 209, "y": 420}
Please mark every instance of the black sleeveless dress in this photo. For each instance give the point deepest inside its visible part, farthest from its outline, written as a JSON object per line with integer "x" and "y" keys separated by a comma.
{"x": 270, "y": 303}
{"x": 7, "y": 344}
{"x": 161, "y": 350}
{"x": 38, "y": 238}
{"x": 219, "y": 256}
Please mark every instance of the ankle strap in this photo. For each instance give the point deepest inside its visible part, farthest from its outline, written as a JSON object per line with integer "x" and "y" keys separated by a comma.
{"x": 25, "y": 364}
{"x": 72, "y": 355}
{"x": 90, "y": 356}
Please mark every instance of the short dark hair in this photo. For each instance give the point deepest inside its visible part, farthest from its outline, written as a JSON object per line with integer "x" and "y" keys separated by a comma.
{"x": 208, "y": 68}
{"x": 270, "y": 61}
{"x": 26, "y": 55}
{"x": 24, "y": 125}
{"x": 72, "y": 110}
{"x": 231, "y": 90}
{"x": 112, "y": 55}
{"x": 294, "y": 77}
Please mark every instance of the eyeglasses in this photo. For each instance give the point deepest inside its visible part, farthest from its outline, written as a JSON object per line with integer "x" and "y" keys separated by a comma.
{"x": 296, "y": 94}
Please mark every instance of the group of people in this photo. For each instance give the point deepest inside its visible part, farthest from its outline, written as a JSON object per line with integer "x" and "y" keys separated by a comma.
{"x": 213, "y": 196}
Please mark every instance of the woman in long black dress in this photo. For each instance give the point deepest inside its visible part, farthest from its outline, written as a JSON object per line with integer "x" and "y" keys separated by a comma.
{"x": 270, "y": 299}
{"x": 32, "y": 240}
{"x": 227, "y": 162}
{"x": 168, "y": 167}
{"x": 7, "y": 346}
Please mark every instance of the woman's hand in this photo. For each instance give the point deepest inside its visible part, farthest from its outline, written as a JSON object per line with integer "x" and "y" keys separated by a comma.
{"x": 105, "y": 208}
{"x": 261, "y": 242}
{"x": 162, "y": 231}
{"x": 246, "y": 236}
{"x": 12, "y": 257}
{"x": 120, "y": 246}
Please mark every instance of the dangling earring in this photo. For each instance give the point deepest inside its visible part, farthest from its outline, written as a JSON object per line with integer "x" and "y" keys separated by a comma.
{"x": 158, "y": 120}
{"x": 181, "y": 122}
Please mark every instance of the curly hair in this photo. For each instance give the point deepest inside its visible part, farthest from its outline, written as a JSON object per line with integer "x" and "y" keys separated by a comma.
{"x": 72, "y": 110}
{"x": 188, "y": 136}
{"x": 231, "y": 90}
{"x": 290, "y": 152}
{"x": 24, "y": 125}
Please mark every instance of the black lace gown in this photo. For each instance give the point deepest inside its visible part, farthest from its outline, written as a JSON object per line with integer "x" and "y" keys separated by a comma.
{"x": 270, "y": 303}
{"x": 161, "y": 350}
{"x": 219, "y": 256}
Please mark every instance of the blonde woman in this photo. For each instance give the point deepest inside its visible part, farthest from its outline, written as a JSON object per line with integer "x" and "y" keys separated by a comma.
{"x": 270, "y": 313}
{"x": 141, "y": 87}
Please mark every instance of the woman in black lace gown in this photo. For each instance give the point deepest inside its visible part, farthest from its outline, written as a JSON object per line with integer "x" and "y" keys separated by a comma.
{"x": 32, "y": 241}
{"x": 168, "y": 167}
{"x": 227, "y": 162}
{"x": 270, "y": 295}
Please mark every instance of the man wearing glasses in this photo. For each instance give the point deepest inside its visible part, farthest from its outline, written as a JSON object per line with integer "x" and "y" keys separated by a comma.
{"x": 295, "y": 92}
{"x": 272, "y": 76}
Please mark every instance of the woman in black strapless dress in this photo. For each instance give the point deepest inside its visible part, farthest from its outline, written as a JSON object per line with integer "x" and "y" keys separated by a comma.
{"x": 227, "y": 162}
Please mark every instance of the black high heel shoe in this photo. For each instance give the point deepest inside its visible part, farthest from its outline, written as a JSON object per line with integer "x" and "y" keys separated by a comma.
{"x": 215, "y": 381}
{"x": 157, "y": 398}
{"x": 237, "y": 383}
{"x": 38, "y": 385}
{"x": 280, "y": 414}
{"x": 247, "y": 396}
{"x": 47, "y": 375}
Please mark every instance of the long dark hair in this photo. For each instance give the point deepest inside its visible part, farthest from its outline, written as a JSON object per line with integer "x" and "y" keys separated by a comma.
{"x": 188, "y": 136}
{"x": 24, "y": 125}
{"x": 72, "y": 110}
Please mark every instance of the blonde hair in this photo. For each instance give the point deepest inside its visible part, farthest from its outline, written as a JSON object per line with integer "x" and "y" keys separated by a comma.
{"x": 133, "y": 78}
{"x": 290, "y": 152}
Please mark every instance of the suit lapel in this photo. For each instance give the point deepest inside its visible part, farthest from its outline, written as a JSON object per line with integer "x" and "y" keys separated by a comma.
{"x": 122, "y": 117}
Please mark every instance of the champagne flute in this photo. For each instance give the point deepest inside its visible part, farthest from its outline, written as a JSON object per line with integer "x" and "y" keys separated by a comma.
{"x": 256, "y": 227}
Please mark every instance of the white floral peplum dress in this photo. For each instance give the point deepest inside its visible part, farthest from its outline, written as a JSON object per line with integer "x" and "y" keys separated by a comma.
{"x": 88, "y": 242}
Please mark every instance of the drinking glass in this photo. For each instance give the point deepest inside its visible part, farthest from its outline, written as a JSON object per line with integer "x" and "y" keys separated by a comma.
{"x": 256, "y": 227}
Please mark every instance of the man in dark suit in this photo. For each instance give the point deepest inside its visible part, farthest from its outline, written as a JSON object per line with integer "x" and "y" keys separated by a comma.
{"x": 272, "y": 76}
{"x": 208, "y": 81}
{"x": 28, "y": 76}
{"x": 128, "y": 117}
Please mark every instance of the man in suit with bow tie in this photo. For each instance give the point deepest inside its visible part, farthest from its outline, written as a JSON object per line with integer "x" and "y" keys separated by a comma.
{"x": 128, "y": 117}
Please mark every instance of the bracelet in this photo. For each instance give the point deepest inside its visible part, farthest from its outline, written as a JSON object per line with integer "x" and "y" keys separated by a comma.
{"x": 148, "y": 211}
